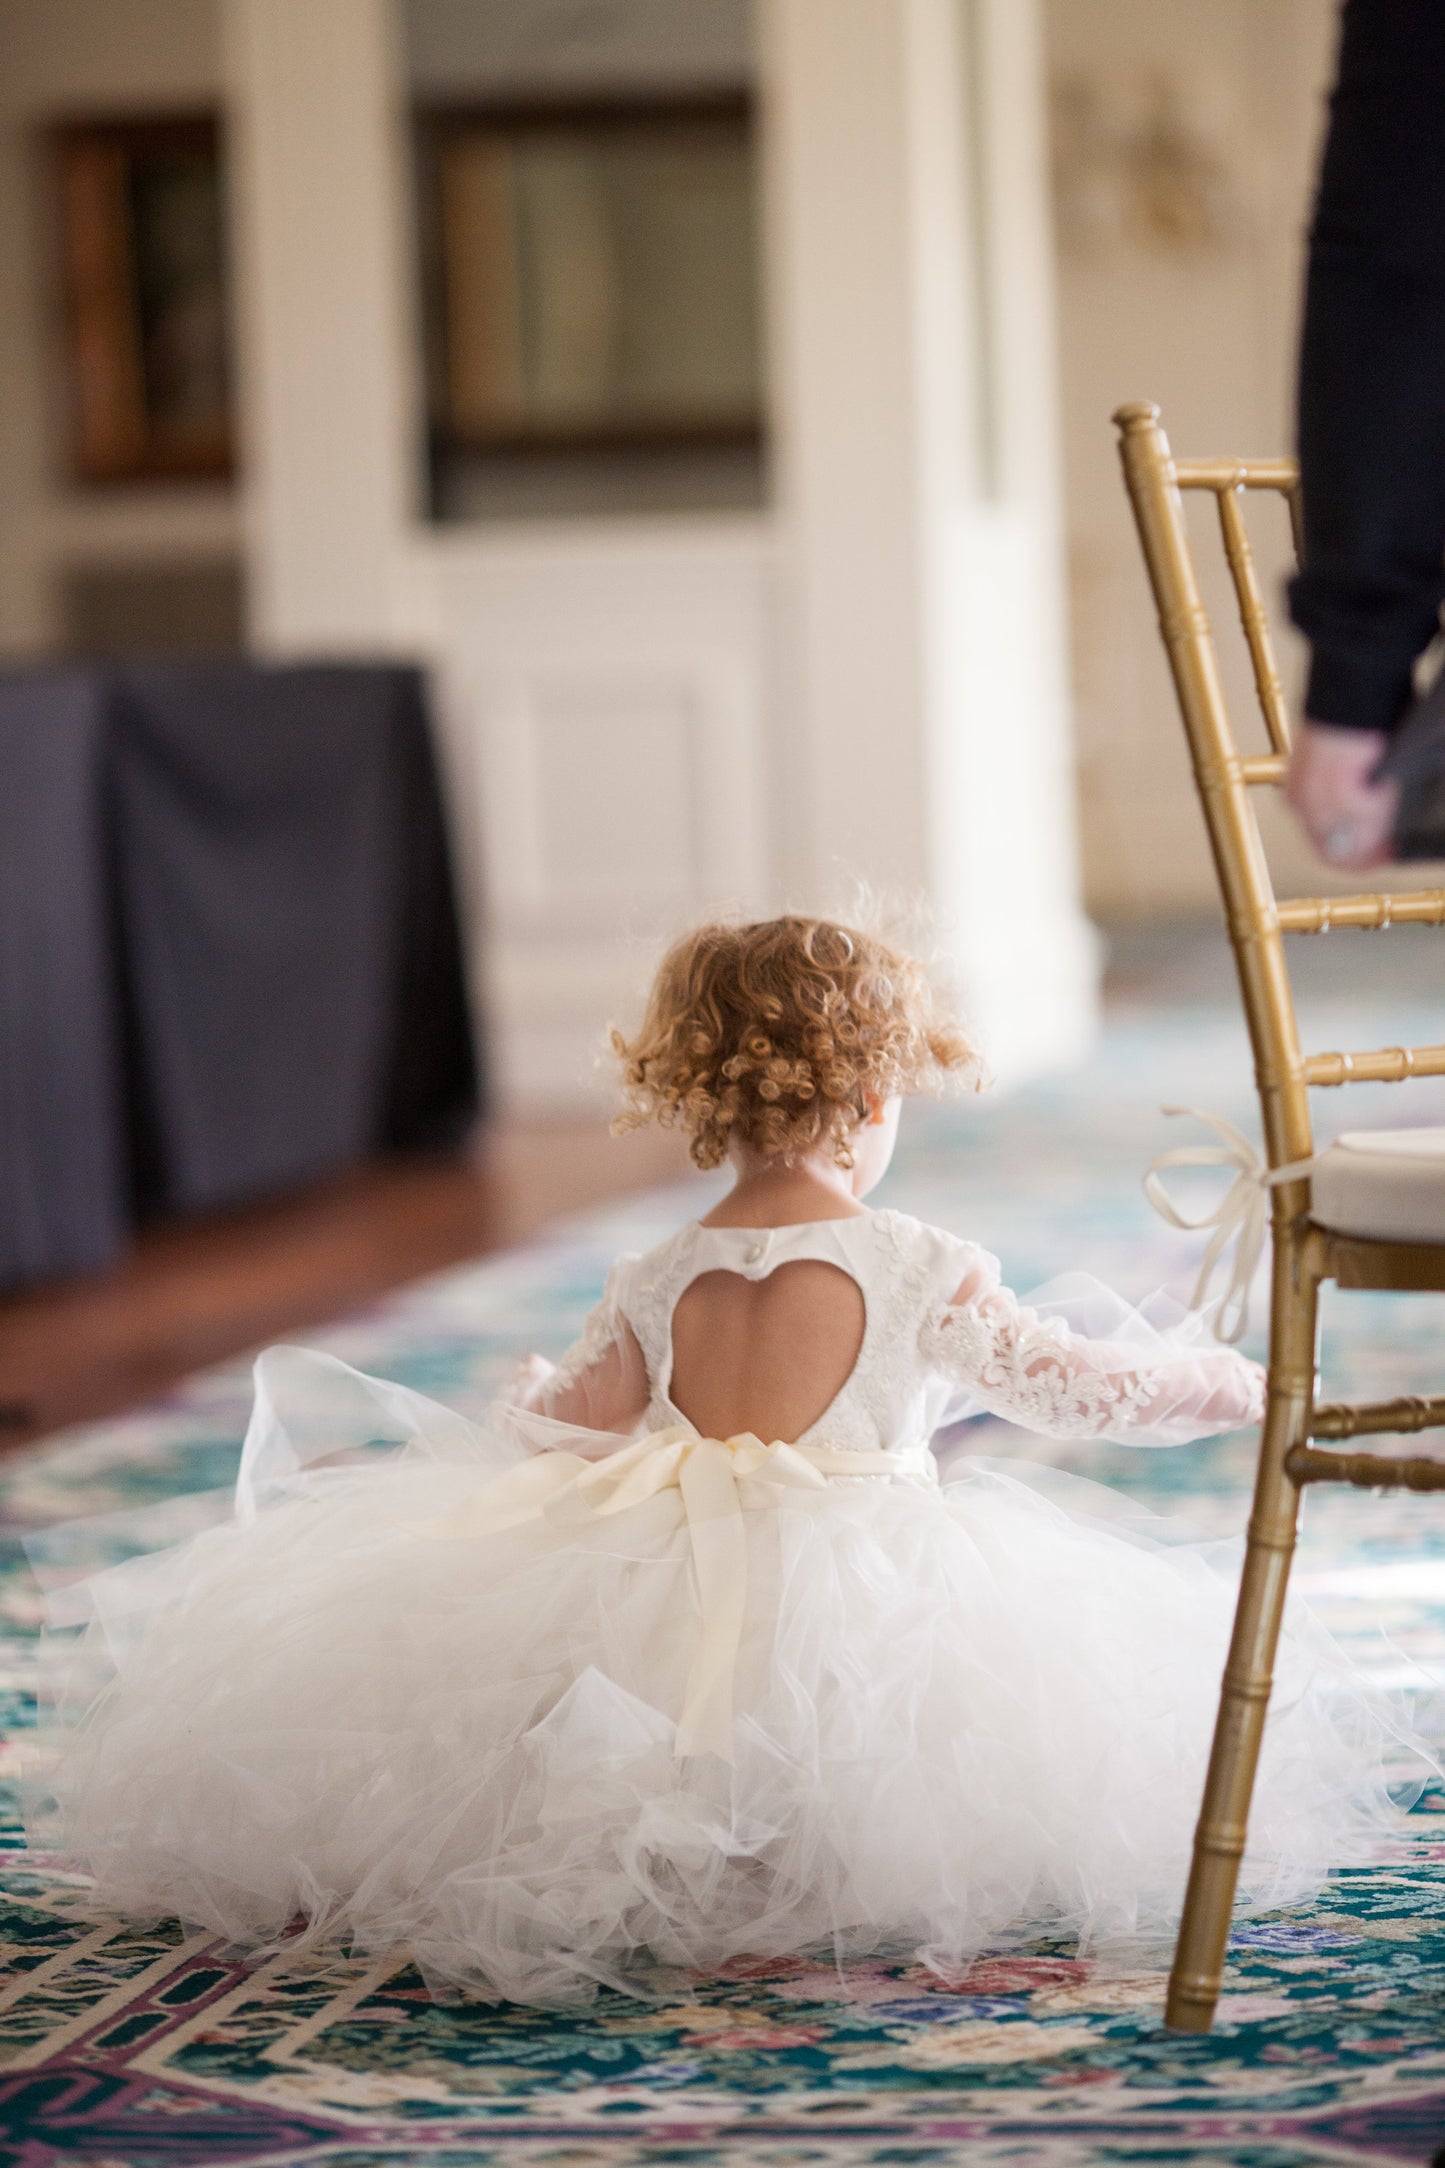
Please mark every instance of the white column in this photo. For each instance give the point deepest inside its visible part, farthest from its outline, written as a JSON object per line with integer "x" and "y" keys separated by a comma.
{"x": 910, "y": 287}
{"x": 330, "y": 419}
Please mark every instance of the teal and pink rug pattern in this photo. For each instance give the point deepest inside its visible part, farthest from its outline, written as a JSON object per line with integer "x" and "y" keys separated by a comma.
{"x": 156, "y": 2050}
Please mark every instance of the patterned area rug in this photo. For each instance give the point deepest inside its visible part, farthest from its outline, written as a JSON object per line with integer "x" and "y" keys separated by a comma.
{"x": 155, "y": 2050}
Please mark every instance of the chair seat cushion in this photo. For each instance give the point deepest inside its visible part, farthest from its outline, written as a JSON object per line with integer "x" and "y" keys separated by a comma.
{"x": 1385, "y": 1184}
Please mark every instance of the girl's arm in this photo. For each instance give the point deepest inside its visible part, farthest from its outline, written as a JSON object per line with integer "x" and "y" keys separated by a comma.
{"x": 1035, "y": 1372}
{"x": 600, "y": 1383}
{"x": 606, "y": 1391}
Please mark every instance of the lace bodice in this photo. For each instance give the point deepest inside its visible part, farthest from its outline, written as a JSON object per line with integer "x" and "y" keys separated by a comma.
{"x": 942, "y": 1333}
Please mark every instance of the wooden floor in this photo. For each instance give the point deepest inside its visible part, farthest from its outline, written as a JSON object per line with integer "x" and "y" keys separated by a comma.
{"x": 197, "y": 1293}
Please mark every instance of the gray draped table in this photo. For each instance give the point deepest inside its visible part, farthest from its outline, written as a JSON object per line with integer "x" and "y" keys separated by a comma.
{"x": 230, "y": 962}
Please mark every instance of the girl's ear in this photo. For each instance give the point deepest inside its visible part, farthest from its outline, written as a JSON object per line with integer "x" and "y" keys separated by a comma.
{"x": 877, "y": 1109}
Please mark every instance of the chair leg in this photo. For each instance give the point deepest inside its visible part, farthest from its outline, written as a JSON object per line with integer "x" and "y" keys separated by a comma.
{"x": 1249, "y": 1671}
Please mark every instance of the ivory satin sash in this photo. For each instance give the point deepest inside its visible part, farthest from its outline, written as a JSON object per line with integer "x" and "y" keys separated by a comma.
{"x": 710, "y": 1475}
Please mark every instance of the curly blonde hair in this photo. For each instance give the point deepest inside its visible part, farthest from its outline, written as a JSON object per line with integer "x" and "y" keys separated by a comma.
{"x": 776, "y": 1035}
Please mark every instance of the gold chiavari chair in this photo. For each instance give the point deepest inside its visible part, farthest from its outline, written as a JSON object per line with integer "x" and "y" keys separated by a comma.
{"x": 1368, "y": 1212}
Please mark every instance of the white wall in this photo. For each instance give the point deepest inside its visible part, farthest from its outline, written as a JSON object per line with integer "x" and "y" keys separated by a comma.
{"x": 59, "y": 58}
{"x": 919, "y": 491}
{"x": 1185, "y": 141}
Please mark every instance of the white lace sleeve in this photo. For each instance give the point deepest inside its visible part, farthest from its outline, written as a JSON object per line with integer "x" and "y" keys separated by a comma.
{"x": 599, "y": 1376}
{"x": 1035, "y": 1372}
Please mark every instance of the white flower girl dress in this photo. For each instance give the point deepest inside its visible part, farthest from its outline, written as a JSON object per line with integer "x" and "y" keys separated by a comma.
{"x": 553, "y": 1718}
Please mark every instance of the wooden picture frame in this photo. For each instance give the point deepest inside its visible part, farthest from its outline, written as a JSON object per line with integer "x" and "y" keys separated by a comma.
{"x": 590, "y": 272}
{"x": 147, "y": 317}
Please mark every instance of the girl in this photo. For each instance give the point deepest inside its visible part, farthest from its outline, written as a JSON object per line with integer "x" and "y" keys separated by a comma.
{"x": 686, "y": 1654}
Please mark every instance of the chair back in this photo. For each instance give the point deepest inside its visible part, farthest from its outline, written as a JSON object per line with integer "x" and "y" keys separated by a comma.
{"x": 1256, "y": 919}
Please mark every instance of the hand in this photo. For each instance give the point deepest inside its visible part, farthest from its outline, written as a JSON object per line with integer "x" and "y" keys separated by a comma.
{"x": 1349, "y": 818}
{"x": 525, "y": 1387}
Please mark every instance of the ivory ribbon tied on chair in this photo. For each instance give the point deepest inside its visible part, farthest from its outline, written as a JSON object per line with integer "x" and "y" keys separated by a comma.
{"x": 1242, "y": 1214}
{"x": 712, "y": 1477}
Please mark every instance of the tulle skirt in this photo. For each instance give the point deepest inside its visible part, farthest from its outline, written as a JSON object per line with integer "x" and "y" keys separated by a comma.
{"x": 359, "y": 1714}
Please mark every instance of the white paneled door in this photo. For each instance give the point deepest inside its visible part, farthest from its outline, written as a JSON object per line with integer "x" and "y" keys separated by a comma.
{"x": 605, "y": 702}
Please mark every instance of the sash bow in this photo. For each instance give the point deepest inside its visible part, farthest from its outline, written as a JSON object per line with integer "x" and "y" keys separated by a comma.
{"x": 709, "y": 1474}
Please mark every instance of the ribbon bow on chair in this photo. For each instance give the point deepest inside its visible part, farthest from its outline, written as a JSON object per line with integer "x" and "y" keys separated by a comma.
{"x": 1242, "y": 1213}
